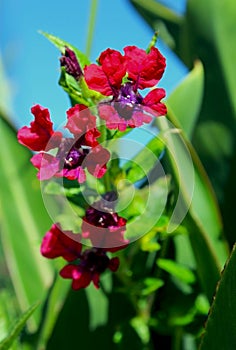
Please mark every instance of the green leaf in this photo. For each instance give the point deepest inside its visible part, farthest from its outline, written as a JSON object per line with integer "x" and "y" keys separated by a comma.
{"x": 220, "y": 330}
{"x": 182, "y": 272}
{"x": 220, "y": 29}
{"x": 77, "y": 90}
{"x": 216, "y": 154}
{"x": 153, "y": 8}
{"x": 185, "y": 101}
{"x": 17, "y": 328}
{"x": 161, "y": 19}
{"x": 53, "y": 304}
{"x": 225, "y": 34}
{"x": 152, "y": 284}
{"x": 83, "y": 319}
{"x": 55, "y": 188}
{"x": 8, "y": 312}
{"x": 98, "y": 305}
{"x": 140, "y": 166}
{"x": 24, "y": 220}
{"x": 196, "y": 204}
{"x": 5, "y": 102}
{"x": 61, "y": 44}
{"x": 142, "y": 329}
{"x": 143, "y": 207}
{"x": 148, "y": 243}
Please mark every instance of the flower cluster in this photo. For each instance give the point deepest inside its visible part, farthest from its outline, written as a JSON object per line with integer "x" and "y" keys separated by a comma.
{"x": 73, "y": 154}
{"x": 117, "y": 79}
{"x": 84, "y": 266}
{"x": 104, "y": 228}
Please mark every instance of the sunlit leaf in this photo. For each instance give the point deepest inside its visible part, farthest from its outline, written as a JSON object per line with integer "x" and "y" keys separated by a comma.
{"x": 61, "y": 44}
{"x": 151, "y": 285}
{"x": 186, "y": 99}
{"x": 5, "y": 103}
{"x": 181, "y": 272}
{"x": 142, "y": 329}
{"x": 161, "y": 19}
{"x": 152, "y": 8}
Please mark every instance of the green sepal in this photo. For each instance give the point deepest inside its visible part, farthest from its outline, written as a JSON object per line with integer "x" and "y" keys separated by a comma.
{"x": 78, "y": 91}
{"x": 152, "y": 42}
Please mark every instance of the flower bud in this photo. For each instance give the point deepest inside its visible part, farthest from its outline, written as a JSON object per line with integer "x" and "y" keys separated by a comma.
{"x": 71, "y": 64}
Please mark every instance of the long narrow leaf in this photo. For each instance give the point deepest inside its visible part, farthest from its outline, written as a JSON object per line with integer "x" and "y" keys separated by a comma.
{"x": 197, "y": 205}
{"x": 156, "y": 9}
{"x": 23, "y": 222}
{"x": 61, "y": 44}
{"x": 220, "y": 29}
{"x": 221, "y": 324}
{"x": 186, "y": 99}
{"x": 6, "y": 343}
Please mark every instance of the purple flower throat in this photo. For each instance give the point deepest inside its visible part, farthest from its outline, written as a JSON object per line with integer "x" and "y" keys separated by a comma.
{"x": 72, "y": 154}
{"x": 127, "y": 101}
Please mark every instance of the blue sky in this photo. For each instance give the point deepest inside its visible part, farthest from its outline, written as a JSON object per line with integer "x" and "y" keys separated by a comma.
{"x": 31, "y": 62}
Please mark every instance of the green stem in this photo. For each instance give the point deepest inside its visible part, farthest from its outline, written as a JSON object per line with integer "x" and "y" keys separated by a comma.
{"x": 158, "y": 274}
{"x": 162, "y": 255}
{"x": 177, "y": 339}
{"x": 91, "y": 26}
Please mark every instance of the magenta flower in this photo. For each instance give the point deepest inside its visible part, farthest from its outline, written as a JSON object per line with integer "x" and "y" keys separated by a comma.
{"x": 73, "y": 154}
{"x": 87, "y": 266}
{"x": 103, "y": 226}
{"x": 120, "y": 77}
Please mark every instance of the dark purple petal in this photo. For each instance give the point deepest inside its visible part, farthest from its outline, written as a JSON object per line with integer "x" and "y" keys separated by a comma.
{"x": 71, "y": 64}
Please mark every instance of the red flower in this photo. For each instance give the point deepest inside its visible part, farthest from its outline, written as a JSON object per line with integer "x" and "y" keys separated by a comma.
{"x": 71, "y": 159}
{"x": 120, "y": 77}
{"x": 93, "y": 263}
{"x": 37, "y": 136}
{"x": 73, "y": 154}
{"x": 103, "y": 226}
{"x": 57, "y": 243}
{"x": 146, "y": 69}
{"x": 87, "y": 265}
{"x": 80, "y": 120}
